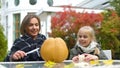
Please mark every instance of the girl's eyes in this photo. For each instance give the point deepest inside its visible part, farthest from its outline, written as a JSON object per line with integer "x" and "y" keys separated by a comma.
{"x": 84, "y": 36}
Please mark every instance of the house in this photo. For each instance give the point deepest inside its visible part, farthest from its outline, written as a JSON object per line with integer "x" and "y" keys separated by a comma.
{"x": 13, "y": 12}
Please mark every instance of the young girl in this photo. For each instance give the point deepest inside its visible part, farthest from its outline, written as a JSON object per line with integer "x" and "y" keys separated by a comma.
{"x": 86, "y": 46}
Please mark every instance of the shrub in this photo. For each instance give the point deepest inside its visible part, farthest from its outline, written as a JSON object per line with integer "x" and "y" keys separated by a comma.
{"x": 66, "y": 24}
{"x": 3, "y": 44}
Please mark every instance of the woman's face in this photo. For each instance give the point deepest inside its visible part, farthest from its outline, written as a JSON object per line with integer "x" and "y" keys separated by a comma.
{"x": 32, "y": 28}
{"x": 84, "y": 38}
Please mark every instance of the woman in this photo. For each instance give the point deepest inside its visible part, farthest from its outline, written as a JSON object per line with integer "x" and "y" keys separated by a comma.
{"x": 86, "y": 46}
{"x": 26, "y": 47}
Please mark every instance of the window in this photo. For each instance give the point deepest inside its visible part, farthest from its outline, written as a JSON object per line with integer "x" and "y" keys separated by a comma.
{"x": 16, "y": 2}
{"x": 6, "y": 26}
{"x": 6, "y": 4}
{"x": 31, "y": 12}
{"x": 32, "y": 2}
{"x": 50, "y": 2}
{"x": 0, "y": 4}
{"x": 16, "y": 21}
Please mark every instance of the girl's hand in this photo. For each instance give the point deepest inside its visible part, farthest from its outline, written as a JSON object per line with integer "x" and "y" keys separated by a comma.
{"x": 89, "y": 57}
{"x": 75, "y": 59}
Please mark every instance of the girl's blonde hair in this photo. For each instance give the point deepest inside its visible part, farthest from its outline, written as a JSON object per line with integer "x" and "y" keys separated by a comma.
{"x": 90, "y": 30}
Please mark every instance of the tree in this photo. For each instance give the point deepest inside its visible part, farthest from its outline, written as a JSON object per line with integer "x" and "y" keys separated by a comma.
{"x": 110, "y": 30}
{"x": 66, "y": 24}
{"x": 116, "y": 5}
{"x": 3, "y": 44}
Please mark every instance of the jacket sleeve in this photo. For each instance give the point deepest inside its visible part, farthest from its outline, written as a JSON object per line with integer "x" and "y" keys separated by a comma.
{"x": 102, "y": 55}
{"x": 17, "y": 45}
{"x": 73, "y": 52}
{"x": 71, "y": 55}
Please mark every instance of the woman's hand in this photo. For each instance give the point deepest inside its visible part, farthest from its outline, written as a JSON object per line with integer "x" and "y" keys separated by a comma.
{"x": 18, "y": 55}
{"x": 89, "y": 57}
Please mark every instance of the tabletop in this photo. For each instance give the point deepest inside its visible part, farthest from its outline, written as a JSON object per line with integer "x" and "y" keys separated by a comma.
{"x": 64, "y": 64}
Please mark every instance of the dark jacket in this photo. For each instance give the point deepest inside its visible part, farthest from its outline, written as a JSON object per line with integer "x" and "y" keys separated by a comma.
{"x": 77, "y": 50}
{"x": 26, "y": 44}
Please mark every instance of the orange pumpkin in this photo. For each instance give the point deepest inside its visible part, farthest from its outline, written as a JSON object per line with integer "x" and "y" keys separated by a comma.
{"x": 54, "y": 49}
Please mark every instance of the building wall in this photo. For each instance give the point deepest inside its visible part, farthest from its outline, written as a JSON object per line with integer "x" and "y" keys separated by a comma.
{"x": 9, "y": 9}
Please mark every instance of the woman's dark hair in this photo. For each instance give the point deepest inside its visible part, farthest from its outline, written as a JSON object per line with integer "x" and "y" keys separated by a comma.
{"x": 26, "y": 21}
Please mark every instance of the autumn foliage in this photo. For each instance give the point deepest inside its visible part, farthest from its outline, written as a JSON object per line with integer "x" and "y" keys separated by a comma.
{"x": 66, "y": 24}
{"x": 106, "y": 25}
{"x": 109, "y": 34}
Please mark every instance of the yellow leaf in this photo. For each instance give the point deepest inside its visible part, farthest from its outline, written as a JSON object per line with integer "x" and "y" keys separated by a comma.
{"x": 94, "y": 62}
{"x": 20, "y": 66}
{"x": 108, "y": 62}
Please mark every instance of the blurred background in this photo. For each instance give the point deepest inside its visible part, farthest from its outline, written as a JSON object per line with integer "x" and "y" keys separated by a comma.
{"x": 13, "y": 11}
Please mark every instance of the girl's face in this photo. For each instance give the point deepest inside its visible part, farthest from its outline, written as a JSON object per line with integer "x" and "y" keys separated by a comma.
{"x": 84, "y": 38}
{"x": 32, "y": 28}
